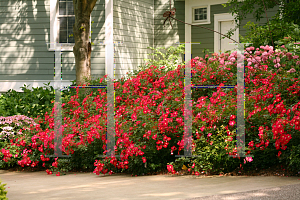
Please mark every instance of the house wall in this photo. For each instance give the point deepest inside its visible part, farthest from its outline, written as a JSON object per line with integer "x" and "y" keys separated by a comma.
{"x": 24, "y": 32}
{"x": 206, "y": 37}
{"x": 24, "y": 56}
{"x": 98, "y": 40}
{"x": 133, "y": 25}
{"x": 165, "y": 36}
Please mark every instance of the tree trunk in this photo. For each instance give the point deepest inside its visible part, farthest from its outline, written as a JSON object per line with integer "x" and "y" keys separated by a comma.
{"x": 82, "y": 49}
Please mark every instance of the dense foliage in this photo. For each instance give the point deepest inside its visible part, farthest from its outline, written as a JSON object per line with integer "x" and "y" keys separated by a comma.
{"x": 32, "y": 103}
{"x": 150, "y": 118}
{"x": 274, "y": 32}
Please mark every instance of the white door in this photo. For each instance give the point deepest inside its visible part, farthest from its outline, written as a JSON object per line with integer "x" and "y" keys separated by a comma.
{"x": 222, "y": 23}
{"x": 225, "y": 26}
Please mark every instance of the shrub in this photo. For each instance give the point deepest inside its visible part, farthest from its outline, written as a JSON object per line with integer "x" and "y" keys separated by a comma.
{"x": 13, "y": 125}
{"x": 212, "y": 152}
{"x": 260, "y": 35}
{"x": 149, "y": 117}
{"x": 170, "y": 58}
{"x": 288, "y": 44}
{"x": 3, "y": 192}
{"x": 31, "y": 103}
{"x": 292, "y": 158}
{"x": 214, "y": 158}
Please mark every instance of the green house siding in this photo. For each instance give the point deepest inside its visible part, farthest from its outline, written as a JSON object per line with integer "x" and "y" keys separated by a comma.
{"x": 204, "y": 36}
{"x": 133, "y": 25}
{"x": 165, "y": 36}
{"x": 24, "y": 32}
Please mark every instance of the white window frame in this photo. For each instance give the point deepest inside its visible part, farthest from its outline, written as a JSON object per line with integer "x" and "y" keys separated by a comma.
{"x": 54, "y": 28}
{"x": 205, "y": 21}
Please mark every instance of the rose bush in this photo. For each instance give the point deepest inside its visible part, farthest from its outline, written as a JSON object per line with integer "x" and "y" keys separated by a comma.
{"x": 149, "y": 116}
{"x": 292, "y": 101}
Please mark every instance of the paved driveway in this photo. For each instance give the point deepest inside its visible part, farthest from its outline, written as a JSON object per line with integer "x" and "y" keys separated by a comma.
{"x": 39, "y": 185}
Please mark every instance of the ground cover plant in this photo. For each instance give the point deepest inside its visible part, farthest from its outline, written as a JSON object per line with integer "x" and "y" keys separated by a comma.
{"x": 149, "y": 119}
{"x": 3, "y": 191}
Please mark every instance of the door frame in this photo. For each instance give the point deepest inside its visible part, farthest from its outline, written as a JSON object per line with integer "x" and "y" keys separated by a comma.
{"x": 217, "y": 19}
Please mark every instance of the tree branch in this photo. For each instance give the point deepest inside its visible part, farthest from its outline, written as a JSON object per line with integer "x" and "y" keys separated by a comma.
{"x": 278, "y": 3}
{"x": 268, "y": 23}
{"x": 91, "y": 5}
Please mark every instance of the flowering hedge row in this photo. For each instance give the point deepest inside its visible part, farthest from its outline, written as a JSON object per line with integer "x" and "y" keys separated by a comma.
{"x": 149, "y": 118}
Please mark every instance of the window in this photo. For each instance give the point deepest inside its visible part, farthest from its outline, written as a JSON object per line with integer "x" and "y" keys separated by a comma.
{"x": 201, "y": 15}
{"x": 62, "y": 19}
{"x": 66, "y": 19}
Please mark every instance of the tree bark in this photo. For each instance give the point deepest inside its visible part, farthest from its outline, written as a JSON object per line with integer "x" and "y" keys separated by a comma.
{"x": 82, "y": 49}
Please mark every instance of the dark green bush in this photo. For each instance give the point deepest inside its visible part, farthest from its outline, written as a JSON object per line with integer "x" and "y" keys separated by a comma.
{"x": 30, "y": 103}
{"x": 292, "y": 158}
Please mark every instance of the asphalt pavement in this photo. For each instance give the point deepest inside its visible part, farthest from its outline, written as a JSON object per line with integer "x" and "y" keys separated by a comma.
{"x": 39, "y": 185}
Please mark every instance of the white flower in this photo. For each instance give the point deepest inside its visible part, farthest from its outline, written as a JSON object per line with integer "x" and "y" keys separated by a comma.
{"x": 9, "y": 128}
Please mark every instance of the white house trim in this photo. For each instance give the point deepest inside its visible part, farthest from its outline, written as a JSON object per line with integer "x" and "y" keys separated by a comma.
{"x": 17, "y": 84}
{"x": 207, "y": 21}
{"x": 217, "y": 19}
{"x": 53, "y": 24}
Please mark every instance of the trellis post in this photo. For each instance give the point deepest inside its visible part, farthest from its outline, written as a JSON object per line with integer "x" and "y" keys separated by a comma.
{"x": 187, "y": 101}
{"x": 57, "y": 104}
